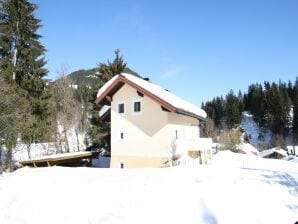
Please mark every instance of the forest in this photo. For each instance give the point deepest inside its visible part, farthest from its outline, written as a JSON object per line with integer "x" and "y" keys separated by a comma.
{"x": 274, "y": 107}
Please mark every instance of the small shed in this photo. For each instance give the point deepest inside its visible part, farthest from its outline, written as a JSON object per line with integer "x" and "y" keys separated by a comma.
{"x": 274, "y": 153}
{"x": 73, "y": 159}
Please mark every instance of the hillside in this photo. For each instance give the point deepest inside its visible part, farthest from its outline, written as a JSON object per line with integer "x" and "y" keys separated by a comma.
{"x": 253, "y": 131}
{"x": 234, "y": 189}
{"x": 87, "y": 77}
{"x": 270, "y": 108}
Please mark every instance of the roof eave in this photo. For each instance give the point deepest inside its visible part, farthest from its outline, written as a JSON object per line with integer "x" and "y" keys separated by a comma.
{"x": 184, "y": 112}
{"x": 102, "y": 96}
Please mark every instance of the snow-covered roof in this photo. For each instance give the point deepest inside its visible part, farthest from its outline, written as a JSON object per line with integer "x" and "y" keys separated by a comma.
{"x": 103, "y": 110}
{"x": 268, "y": 152}
{"x": 180, "y": 106}
{"x": 59, "y": 156}
{"x": 248, "y": 149}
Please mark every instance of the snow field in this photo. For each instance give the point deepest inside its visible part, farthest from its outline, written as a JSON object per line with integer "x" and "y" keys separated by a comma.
{"x": 226, "y": 192}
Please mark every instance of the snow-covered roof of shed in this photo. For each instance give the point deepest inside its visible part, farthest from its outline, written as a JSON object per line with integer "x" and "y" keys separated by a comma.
{"x": 181, "y": 106}
{"x": 268, "y": 152}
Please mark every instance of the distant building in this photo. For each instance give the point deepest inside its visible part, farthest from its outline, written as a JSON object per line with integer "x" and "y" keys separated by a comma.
{"x": 274, "y": 153}
{"x": 151, "y": 127}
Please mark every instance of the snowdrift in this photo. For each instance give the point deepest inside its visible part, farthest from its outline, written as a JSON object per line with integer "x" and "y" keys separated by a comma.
{"x": 234, "y": 189}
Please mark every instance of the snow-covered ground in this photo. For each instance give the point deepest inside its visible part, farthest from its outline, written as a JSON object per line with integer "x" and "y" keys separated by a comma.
{"x": 235, "y": 188}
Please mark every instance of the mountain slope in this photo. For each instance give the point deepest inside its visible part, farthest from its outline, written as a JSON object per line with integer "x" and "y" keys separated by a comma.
{"x": 257, "y": 136}
{"x": 88, "y": 77}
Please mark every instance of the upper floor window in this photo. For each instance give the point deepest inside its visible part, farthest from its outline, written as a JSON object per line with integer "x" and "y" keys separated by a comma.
{"x": 121, "y": 108}
{"x": 137, "y": 106}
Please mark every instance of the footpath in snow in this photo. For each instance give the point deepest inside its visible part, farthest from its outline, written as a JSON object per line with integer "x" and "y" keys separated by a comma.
{"x": 233, "y": 189}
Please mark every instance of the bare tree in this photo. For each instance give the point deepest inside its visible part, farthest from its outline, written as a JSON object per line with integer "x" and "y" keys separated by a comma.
{"x": 229, "y": 139}
{"x": 208, "y": 129}
{"x": 68, "y": 112}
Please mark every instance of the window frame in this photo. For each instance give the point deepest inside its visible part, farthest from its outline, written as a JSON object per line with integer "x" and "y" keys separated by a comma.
{"x": 141, "y": 106}
{"x": 119, "y": 103}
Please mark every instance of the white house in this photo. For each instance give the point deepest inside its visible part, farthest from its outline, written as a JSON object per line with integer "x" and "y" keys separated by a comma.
{"x": 151, "y": 127}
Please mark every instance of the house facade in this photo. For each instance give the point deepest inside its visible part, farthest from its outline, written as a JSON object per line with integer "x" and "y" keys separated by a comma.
{"x": 150, "y": 127}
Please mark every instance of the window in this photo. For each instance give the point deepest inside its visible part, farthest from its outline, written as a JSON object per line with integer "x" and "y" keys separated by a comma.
{"x": 121, "y": 108}
{"x": 121, "y": 136}
{"x": 137, "y": 106}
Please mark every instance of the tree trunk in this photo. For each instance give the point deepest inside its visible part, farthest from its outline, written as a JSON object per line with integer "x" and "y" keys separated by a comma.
{"x": 29, "y": 150}
{"x": 78, "y": 142}
{"x": 14, "y": 61}
{"x": 9, "y": 164}
{"x": 66, "y": 141}
{"x": 1, "y": 170}
{"x": 15, "y": 53}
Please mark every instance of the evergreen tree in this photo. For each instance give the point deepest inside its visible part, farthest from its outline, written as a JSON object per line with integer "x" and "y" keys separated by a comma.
{"x": 278, "y": 108}
{"x": 12, "y": 112}
{"x": 99, "y": 132}
{"x": 215, "y": 110}
{"x": 232, "y": 113}
{"x": 22, "y": 64}
{"x": 290, "y": 90}
{"x": 295, "y": 118}
{"x": 241, "y": 101}
{"x": 107, "y": 70}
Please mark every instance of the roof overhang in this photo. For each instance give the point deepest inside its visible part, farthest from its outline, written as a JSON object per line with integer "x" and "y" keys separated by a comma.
{"x": 183, "y": 112}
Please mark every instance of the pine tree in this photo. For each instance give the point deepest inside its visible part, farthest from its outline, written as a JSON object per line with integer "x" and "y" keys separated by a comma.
{"x": 22, "y": 64}
{"x": 290, "y": 90}
{"x": 232, "y": 113}
{"x": 295, "y": 112}
{"x": 100, "y": 131}
{"x": 107, "y": 70}
{"x": 12, "y": 110}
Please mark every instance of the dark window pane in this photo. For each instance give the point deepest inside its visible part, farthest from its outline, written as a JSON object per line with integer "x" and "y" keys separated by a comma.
{"x": 137, "y": 106}
{"x": 121, "y": 108}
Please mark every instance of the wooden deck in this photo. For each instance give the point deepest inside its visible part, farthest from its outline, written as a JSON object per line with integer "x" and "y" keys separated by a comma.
{"x": 75, "y": 159}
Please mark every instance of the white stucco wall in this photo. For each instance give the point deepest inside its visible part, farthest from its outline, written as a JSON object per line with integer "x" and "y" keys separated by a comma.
{"x": 152, "y": 133}
{"x": 145, "y": 134}
{"x": 183, "y": 133}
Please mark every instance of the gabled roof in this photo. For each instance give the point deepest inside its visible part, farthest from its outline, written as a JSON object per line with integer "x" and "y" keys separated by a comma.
{"x": 166, "y": 99}
{"x": 269, "y": 152}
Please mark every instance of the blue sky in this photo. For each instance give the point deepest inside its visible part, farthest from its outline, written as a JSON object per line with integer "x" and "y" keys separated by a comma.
{"x": 196, "y": 49}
